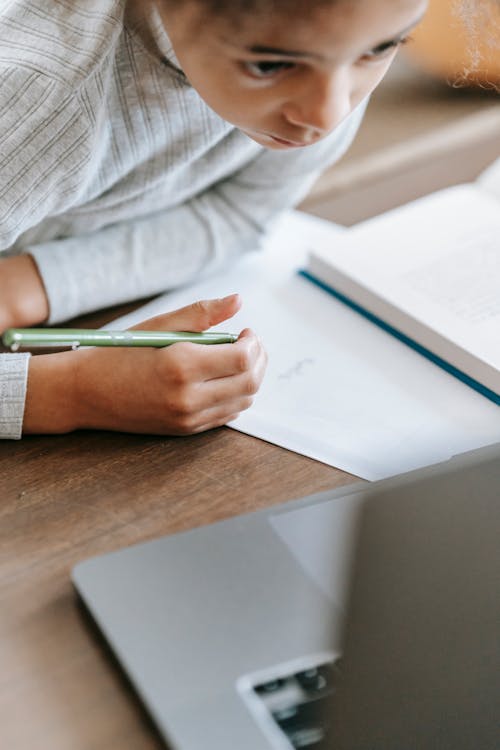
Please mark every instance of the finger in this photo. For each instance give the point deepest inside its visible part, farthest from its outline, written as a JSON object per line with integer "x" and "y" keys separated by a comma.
{"x": 224, "y": 395}
{"x": 217, "y": 396}
{"x": 215, "y": 417}
{"x": 218, "y": 423}
{"x": 246, "y": 355}
{"x": 244, "y": 385}
{"x": 202, "y": 404}
{"x": 198, "y": 316}
{"x": 200, "y": 362}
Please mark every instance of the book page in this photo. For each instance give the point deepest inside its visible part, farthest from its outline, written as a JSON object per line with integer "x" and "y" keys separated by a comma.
{"x": 464, "y": 282}
{"x": 433, "y": 266}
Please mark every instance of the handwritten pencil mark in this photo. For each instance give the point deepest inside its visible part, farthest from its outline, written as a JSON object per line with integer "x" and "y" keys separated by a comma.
{"x": 297, "y": 370}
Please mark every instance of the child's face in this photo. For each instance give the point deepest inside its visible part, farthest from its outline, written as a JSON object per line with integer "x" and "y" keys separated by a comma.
{"x": 288, "y": 81}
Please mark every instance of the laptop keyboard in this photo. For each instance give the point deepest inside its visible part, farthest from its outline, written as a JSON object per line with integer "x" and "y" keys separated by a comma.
{"x": 298, "y": 704}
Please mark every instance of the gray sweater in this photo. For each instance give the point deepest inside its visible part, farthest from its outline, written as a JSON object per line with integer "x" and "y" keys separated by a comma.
{"x": 114, "y": 174}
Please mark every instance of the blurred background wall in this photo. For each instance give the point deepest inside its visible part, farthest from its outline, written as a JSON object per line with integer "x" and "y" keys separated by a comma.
{"x": 433, "y": 121}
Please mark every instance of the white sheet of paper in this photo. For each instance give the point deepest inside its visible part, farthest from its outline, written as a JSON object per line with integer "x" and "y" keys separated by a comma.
{"x": 337, "y": 388}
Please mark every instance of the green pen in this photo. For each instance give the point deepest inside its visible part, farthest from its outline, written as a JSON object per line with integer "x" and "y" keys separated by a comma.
{"x": 15, "y": 338}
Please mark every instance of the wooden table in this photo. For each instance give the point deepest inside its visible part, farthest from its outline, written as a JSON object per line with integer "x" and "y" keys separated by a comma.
{"x": 63, "y": 499}
{"x": 67, "y": 498}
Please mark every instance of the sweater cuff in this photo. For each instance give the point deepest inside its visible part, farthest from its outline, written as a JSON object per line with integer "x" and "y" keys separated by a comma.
{"x": 61, "y": 289}
{"x": 13, "y": 384}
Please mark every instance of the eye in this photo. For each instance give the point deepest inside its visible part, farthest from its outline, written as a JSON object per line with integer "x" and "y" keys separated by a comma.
{"x": 385, "y": 49}
{"x": 267, "y": 68}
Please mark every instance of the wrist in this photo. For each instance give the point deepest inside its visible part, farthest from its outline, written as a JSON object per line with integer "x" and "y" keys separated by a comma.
{"x": 23, "y": 298}
{"x": 51, "y": 395}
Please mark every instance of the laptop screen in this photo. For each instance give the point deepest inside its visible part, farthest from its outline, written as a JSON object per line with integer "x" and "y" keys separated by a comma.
{"x": 421, "y": 652}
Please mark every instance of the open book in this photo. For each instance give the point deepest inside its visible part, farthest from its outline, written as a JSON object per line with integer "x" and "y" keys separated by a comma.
{"x": 429, "y": 273}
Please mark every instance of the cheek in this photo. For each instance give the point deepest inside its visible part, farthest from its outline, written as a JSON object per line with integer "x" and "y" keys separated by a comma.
{"x": 368, "y": 78}
{"x": 240, "y": 106}
{"x": 227, "y": 93}
{"x": 223, "y": 94}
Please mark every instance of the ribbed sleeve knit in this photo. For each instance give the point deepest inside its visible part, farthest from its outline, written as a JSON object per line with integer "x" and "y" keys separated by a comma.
{"x": 114, "y": 174}
{"x": 13, "y": 378}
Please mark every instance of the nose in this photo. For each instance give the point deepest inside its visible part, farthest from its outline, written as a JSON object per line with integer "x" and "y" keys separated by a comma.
{"x": 321, "y": 103}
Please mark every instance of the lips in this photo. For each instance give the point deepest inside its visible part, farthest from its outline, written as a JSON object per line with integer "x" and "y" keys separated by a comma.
{"x": 284, "y": 142}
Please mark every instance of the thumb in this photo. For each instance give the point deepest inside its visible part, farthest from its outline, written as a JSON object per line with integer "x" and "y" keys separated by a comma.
{"x": 198, "y": 316}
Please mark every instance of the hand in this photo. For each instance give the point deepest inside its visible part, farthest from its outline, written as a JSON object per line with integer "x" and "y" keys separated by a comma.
{"x": 23, "y": 301}
{"x": 178, "y": 390}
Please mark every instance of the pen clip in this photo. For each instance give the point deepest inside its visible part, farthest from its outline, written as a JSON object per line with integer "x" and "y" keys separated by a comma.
{"x": 16, "y": 345}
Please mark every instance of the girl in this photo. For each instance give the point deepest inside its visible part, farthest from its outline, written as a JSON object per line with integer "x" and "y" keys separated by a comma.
{"x": 143, "y": 142}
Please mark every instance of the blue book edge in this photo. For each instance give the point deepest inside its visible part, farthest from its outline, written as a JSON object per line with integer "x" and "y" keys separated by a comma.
{"x": 487, "y": 392}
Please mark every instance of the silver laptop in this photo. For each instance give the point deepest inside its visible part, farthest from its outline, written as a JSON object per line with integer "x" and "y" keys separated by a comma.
{"x": 358, "y": 619}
